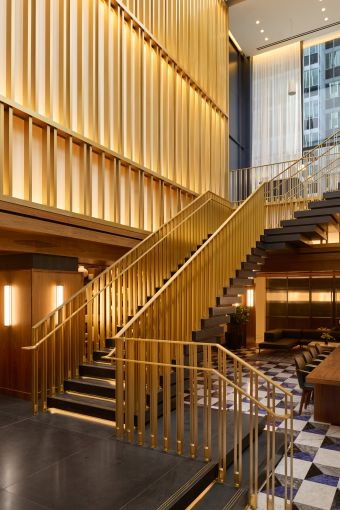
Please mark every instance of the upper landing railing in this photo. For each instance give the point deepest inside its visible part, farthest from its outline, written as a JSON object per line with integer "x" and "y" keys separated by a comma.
{"x": 285, "y": 177}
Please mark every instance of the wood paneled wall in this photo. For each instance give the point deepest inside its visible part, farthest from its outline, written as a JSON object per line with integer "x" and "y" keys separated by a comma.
{"x": 100, "y": 114}
{"x": 33, "y": 296}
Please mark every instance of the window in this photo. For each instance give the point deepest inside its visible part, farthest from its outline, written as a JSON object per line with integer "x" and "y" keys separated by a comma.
{"x": 334, "y": 89}
{"x": 314, "y": 59}
{"x": 334, "y": 120}
{"x": 321, "y": 91}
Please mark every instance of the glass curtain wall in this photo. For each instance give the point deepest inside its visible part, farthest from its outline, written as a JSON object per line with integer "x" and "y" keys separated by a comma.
{"x": 321, "y": 91}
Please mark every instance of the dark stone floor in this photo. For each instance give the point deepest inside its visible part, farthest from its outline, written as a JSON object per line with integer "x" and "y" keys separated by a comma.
{"x": 59, "y": 462}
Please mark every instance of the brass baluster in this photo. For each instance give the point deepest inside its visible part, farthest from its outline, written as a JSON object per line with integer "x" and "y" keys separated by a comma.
{"x": 120, "y": 382}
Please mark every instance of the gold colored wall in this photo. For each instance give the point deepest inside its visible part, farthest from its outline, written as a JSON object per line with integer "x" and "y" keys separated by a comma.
{"x": 98, "y": 116}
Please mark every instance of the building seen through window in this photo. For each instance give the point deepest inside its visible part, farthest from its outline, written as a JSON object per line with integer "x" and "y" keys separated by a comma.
{"x": 321, "y": 91}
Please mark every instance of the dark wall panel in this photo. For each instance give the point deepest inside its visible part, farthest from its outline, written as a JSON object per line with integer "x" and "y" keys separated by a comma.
{"x": 239, "y": 109}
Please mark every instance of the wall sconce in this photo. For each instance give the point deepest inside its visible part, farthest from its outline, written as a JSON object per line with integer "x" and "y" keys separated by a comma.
{"x": 250, "y": 297}
{"x": 59, "y": 295}
{"x": 8, "y": 305}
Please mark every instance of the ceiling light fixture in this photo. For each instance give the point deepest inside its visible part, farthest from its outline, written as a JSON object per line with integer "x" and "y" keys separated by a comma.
{"x": 323, "y": 9}
{"x": 262, "y": 31}
{"x": 266, "y": 38}
{"x": 257, "y": 22}
{"x": 326, "y": 19}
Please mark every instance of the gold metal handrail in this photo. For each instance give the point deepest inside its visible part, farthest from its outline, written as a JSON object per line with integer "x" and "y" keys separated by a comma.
{"x": 70, "y": 334}
{"x": 293, "y": 191}
{"x": 177, "y": 308}
{"x": 147, "y": 371}
{"x": 122, "y": 272}
{"x": 246, "y": 180}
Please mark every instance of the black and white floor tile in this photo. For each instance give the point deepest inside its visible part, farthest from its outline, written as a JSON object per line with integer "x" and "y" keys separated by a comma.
{"x": 316, "y": 467}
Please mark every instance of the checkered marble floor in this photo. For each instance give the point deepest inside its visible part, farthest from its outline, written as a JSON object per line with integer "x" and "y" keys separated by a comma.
{"x": 316, "y": 468}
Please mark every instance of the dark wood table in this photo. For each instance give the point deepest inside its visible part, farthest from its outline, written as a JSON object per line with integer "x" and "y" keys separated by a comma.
{"x": 326, "y": 380}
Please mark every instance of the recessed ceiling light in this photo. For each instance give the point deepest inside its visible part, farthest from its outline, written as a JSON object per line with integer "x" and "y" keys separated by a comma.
{"x": 266, "y": 38}
{"x": 323, "y": 9}
{"x": 257, "y": 22}
{"x": 262, "y": 31}
{"x": 326, "y": 19}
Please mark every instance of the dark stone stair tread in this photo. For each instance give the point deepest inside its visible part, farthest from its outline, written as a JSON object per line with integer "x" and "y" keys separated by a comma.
{"x": 102, "y": 383}
{"x": 83, "y": 400}
{"x": 331, "y": 194}
{"x": 227, "y": 300}
{"x": 215, "y": 311}
{"x": 233, "y": 291}
{"x": 330, "y": 202}
{"x": 247, "y": 282}
{"x": 299, "y": 229}
{"x": 321, "y": 220}
{"x": 286, "y": 238}
{"x": 99, "y": 370}
{"x": 223, "y": 497}
{"x": 213, "y": 321}
{"x": 316, "y": 212}
{"x": 208, "y": 333}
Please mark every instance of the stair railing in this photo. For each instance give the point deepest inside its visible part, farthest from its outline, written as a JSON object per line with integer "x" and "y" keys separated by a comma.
{"x": 246, "y": 180}
{"x": 177, "y": 308}
{"x": 243, "y": 181}
{"x": 69, "y": 334}
{"x": 287, "y": 194}
{"x": 192, "y": 387}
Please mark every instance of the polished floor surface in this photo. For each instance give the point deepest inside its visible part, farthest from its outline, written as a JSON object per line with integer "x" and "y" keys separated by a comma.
{"x": 57, "y": 462}
{"x": 52, "y": 461}
{"x": 316, "y": 469}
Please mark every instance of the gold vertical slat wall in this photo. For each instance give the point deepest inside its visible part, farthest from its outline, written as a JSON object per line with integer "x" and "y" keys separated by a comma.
{"x": 90, "y": 68}
{"x": 194, "y": 32}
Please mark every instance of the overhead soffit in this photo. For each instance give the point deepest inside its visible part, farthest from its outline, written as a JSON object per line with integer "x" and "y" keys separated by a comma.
{"x": 281, "y": 22}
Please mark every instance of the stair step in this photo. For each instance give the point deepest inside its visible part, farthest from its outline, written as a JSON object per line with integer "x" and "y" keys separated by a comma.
{"x": 242, "y": 273}
{"x": 320, "y": 220}
{"x": 98, "y": 355}
{"x": 288, "y": 238}
{"x": 227, "y": 300}
{"x": 330, "y": 202}
{"x": 209, "y": 333}
{"x": 256, "y": 259}
{"x": 238, "y": 282}
{"x": 310, "y": 231}
{"x": 279, "y": 247}
{"x": 250, "y": 266}
{"x": 215, "y": 320}
{"x": 98, "y": 408}
{"x": 99, "y": 370}
{"x": 91, "y": 386}
{"x": 309, "y": 213}
{"x": 234, "y": 291}
{"x": 260, "y": 252}
{"x": 110, "y": 343}
{"x": 215, "y": 311}
{"x": 331, "y": 194}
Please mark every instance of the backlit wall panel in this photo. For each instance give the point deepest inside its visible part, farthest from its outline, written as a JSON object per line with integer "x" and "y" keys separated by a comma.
{"x": 100, "y": 98}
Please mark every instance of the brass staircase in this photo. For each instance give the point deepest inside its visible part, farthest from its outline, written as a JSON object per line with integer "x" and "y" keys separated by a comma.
{"x": 101, "y": 353}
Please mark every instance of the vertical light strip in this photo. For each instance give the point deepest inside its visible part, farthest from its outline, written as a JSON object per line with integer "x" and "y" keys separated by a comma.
{"x": 59, "y": 295}
{"x": 250, "y": 297}
{"x": 7, "y": 305}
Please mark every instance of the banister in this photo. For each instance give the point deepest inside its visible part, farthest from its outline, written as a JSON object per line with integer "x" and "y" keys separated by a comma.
{"x": 96, "y": 294}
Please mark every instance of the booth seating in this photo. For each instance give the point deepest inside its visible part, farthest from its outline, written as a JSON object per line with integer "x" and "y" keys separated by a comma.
{"x": 290, "y": 338}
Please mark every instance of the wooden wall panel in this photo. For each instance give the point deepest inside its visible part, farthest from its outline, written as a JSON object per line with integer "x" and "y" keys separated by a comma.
{"x": 33, "y": 297}
{"x": 143, "y": 80}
